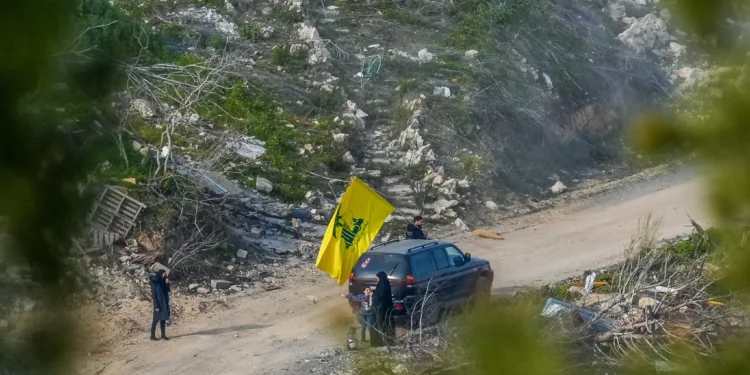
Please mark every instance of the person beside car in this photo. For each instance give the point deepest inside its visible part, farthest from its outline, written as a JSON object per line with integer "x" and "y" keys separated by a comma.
{"x": 365, "y": 309}
{"x": 414, "y": 230}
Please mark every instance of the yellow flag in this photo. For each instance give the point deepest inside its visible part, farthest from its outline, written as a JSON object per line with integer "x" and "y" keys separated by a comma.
{"x": 357, "y": 220}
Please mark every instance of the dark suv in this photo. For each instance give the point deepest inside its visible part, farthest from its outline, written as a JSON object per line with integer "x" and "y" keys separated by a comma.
{"x": 426, "y": 277}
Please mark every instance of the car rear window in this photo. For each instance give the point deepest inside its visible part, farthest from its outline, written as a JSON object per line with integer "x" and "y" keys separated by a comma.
{"x": 369, "y": 264}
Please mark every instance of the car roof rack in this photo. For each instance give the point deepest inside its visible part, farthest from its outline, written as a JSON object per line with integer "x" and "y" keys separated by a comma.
{"x": 420, "y": 247}
{"x": 385, "y": 243}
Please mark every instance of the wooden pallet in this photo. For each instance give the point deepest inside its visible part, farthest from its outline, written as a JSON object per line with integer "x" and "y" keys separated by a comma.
{"x": 114, "y": 213}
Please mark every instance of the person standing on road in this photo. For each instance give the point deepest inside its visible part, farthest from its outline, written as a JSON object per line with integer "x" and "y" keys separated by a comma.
{"x": 365, "y": 309}
{"x": 160, "y": 294}
{"x": 383, "y": 306}
{"x": 414, "y": 230}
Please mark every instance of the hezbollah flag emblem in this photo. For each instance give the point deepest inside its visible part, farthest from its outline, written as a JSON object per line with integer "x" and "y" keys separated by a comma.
{"x": 354, "y": 225}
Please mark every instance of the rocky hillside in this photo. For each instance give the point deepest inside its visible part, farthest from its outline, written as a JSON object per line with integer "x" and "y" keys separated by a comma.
{"x": 457, "y": 110}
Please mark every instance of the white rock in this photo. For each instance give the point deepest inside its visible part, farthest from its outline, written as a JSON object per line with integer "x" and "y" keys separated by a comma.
{"x": 558, "y": 188}
{"x": 445, "y": 204}
{"x": 193, "y": 118}
{"x": 203, "y": 290}
{"x": 492, "y": 206}
{"x": 143, "y": 107}
{"x": 676, "y": 48}
{"x": 242, "y": 254}
{"x": 425, "y": 55}
{"x": 137, "y": 146}
{"x": 210, "y": 18}
{"x": 165, "y": 151}
{"x": 442, "y": 91}
{"x": 438, "y": 180}
{"x": 194, "y": 286}
{"x": 547, "y": 80}
{"x": 340, "y": 137}
{"x": 262, "y": 184}
{"x": 464, "y": 183}
{"x": 461, "y": 225}
{"x": 471, "y": 54}
{"x": 361, "y": 114}
{"x": 348, "y": 158}
{"x": 266, "y": 32}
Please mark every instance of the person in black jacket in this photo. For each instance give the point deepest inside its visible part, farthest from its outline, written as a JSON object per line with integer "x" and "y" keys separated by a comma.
{"x": 160, "y": 293}
{"x": 383, "y": 306}
{"x": 414, "y": 230}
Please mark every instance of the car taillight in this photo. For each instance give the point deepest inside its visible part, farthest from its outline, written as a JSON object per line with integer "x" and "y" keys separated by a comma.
{"x": 399, "y": 306}
{"x": 351, "y": 278}
{"x": 409, "y": 281}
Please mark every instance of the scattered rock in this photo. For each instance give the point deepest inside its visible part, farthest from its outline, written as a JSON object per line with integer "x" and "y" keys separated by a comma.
{"x": 425, "y": 55}
{"x": 348, "y": 158}
{"x": 202, "y": 290}
{"x": 646, "y": 34}
{"x": 644, "y": 302}
{"x": 137, "y": 146}
{"x": 461, "y": 225}
{"x": 471, "y": 54}
{"x": 194, "y": 286}
{"x": 445, "y": 204}
{"x": 124, "y": 258}
{"x": 242, "y": 254}
{"x": 492, "y": 206}
{"x": 264, "y": 185}
{"x": 235, "y": 288}
{"x": 340, "y": 137}
{"x": 210, "y": 18}
{"x": 558, "y": 188}
{"x": 220, "y": 284}
{"x": 143, "y": 107}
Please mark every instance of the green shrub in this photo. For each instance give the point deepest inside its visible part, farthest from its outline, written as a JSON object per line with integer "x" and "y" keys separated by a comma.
{"x": 407, "y": 85}
{"x": 217, "y": 42}
{"x": 283, "y": 56}
{"x": 251, "y": 32}
{"x": 471, "y": 32}
{"x": 287, "y": 15}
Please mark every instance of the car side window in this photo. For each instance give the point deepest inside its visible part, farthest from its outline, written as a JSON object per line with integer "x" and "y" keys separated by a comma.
{"x": 441, "y": 260}
{"x": 453, "y": 253}
{"x": 423, "y": 263}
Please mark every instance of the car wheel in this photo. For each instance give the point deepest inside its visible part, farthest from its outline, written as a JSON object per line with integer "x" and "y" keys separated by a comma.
{"x": 426, "y": 313}
{"x": 482, "y": 290}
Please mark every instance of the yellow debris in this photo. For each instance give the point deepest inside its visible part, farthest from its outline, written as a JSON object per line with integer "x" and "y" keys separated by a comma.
{"x": 487, "y": 234}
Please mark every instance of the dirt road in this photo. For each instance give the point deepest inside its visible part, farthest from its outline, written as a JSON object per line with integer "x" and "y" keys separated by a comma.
{"x": 272, "y": 333}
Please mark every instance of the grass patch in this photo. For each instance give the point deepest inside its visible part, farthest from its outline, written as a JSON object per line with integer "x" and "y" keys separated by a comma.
{"x": 405, "y": 17}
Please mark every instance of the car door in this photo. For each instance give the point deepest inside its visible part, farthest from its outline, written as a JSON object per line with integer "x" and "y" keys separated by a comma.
{"x": 463, "y": 273}
{"x": 445, "y": 275}
{"x": 428, "y": 279}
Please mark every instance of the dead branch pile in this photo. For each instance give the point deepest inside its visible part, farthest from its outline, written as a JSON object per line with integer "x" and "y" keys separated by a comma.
{"x": 656, "y": 299}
